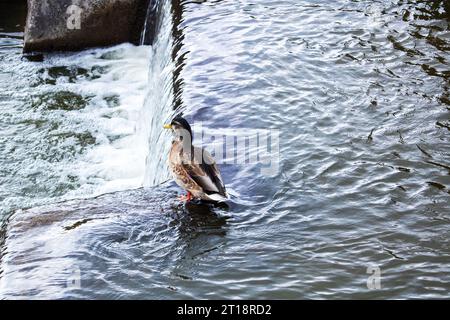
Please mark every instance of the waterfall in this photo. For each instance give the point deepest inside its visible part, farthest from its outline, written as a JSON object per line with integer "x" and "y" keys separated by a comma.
{"x": 159, "y": 100}
{"x": 151, "y": 23}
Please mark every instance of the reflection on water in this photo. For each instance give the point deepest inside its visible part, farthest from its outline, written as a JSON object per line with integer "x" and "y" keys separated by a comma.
{"x": 360, "y": 93}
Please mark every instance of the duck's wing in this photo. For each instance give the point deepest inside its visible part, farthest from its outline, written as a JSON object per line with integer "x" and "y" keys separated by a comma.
{"x": 184, "y": 179}
{"x": 204, "y": 171}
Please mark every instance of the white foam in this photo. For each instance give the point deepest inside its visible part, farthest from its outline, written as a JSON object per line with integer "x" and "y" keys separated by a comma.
{"x": 118, "y": 159}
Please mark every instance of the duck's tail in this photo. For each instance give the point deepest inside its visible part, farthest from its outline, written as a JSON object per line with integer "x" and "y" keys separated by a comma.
{"x": 218, "y": 197}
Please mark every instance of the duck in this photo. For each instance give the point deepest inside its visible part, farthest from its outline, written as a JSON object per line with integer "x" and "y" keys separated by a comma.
{"x": 193, "y": 168}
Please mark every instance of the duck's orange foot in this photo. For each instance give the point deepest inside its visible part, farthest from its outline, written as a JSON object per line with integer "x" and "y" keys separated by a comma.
{"x": 185, "y": 198}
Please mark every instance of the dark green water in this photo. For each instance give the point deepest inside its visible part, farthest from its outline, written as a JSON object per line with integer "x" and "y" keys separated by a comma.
{"x": 359, "y": 91}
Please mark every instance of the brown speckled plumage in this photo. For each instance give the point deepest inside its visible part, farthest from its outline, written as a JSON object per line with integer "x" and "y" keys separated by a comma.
{"x": 197, "y": 174}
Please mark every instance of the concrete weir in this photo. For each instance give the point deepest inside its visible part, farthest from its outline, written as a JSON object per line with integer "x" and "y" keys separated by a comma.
{"x": 55, "y": 251}
{"x": 70, "y": 25}
{"x": 118, "y": 245}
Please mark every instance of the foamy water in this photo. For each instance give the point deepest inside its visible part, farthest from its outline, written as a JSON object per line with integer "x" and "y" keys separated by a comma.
{"x": 95, "y": 97}
{"x": 117, "y": 161}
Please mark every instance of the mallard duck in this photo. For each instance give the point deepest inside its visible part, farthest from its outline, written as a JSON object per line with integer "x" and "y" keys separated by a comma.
{"x": 193, "y": 168}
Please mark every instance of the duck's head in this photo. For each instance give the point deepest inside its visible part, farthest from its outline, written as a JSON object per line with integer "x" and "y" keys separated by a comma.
{"x": 180, "y": 128}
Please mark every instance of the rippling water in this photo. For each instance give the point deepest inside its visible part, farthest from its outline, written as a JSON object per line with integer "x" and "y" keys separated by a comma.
{"x": 359, "y": 91}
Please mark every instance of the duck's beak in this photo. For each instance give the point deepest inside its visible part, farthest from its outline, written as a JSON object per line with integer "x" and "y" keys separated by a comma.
{"x": 167, "y": 126}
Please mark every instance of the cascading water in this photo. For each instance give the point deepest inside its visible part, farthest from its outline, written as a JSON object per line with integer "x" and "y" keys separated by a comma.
{"x": 151, "y": 23}
{"x": 158, "y": 103}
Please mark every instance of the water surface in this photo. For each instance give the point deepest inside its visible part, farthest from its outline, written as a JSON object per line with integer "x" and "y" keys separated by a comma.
{"x": 359, "y": 91}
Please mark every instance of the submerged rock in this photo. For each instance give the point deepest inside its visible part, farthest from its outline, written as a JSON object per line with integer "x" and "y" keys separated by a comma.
{"x": 68, "y": 25}
{"x": 125, "y": 244}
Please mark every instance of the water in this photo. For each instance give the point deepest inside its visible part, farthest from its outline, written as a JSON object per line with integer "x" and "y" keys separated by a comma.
{"x": 158, "y": 103}
{"x": 360, "y": 93}
{"x": 152, "y": 22}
